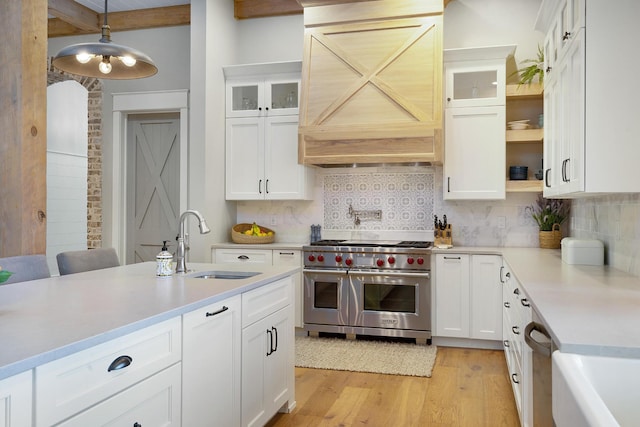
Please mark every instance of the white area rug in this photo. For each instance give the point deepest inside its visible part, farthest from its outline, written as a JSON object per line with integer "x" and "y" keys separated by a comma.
{"x": 365, "y": 356}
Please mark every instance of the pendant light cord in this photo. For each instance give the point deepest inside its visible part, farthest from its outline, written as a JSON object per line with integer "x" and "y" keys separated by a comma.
{"x": 105, "y": 12}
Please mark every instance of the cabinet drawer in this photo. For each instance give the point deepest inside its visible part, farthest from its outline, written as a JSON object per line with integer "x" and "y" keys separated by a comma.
{"x": 261, "y": 302}
{"x": 247, "y": 256}
{"x": 69, "y": 385}
{"x": 152, "y": 402}
{"x": 286, "y": 257}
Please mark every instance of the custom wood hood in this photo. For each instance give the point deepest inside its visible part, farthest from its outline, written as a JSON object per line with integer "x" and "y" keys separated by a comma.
{"x": 372, "y": 83}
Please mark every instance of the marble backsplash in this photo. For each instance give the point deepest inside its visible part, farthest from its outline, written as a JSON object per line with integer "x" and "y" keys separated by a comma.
{"x": 408, "y": 198}
{"x": 615, "y": 220}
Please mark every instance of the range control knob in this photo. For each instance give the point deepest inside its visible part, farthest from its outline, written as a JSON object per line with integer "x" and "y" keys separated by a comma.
{"x": 380, "y": 263}
{"x": 338, "y": 258}
{"x": 348, "y": 261}
{"x": 410, "y": 260}
{"x": 320, "y": 258}
{"x": 391, "y": 260}
{"x": 420, "y": 261}
{"x": 312, "y": 258}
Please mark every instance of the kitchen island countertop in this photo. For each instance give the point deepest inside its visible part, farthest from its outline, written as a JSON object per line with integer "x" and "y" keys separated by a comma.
{"x": 44, "y": 320}
{"x": 588, "y": 309}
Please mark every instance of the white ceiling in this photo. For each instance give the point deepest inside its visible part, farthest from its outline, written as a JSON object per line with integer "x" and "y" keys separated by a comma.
{"x": 123, "y": 5}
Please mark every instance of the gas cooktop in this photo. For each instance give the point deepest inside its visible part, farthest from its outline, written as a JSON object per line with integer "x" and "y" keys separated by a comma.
{"x": 374, "y": 243}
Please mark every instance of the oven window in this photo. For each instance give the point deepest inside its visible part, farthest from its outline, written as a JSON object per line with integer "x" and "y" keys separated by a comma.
{"x": 381, "y": 297}
{"x": 325, "y": 295}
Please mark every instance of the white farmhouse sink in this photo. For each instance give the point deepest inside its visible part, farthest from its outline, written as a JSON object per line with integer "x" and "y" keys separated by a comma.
{"x": 595, "y": 390}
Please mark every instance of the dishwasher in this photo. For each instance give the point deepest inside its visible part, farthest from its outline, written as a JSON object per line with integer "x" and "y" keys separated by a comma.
{"x": 539, "y": 340}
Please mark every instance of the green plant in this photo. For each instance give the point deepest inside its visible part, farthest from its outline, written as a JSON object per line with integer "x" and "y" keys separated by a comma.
{"x": 536, "y": 68}
{"x": 547, "y": 212}
{"x": 4, "y": 275}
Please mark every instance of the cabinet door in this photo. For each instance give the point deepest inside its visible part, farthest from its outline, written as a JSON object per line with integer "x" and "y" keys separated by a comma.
{"x": 570, "y": 19}
{"x": 294, "y": 258}
{"x": 15, "y": 400}
{"x": 211, "y": 365}
{"x": 284, "y": 177}
{"x": 551, "y": 145}
{"x": 452, "y": 295}
{"x": 486, "y": 297}
{"x": 282, "y": 96}
{"x": 474, "y": 161}
{"x": 152, "y": 402}
{"x": 244, "y": 159}
{"x": 244, "y": 98}
{"x": 474, "y": 84}
{"x": 267, "y": 367}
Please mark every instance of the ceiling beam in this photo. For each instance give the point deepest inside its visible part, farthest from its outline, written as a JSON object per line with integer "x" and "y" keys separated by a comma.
{"x": 130, "y": 20}
{"x": 75, "y": 14}
{"x": 246, "y": 9}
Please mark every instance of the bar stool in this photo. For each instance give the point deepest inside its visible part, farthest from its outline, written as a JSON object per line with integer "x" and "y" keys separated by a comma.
{"x": 92, "y": 259}
{"x": 25, "y": 267}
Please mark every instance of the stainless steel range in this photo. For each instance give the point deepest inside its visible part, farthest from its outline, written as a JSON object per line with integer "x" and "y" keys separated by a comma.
{"x": 378, "y": 288}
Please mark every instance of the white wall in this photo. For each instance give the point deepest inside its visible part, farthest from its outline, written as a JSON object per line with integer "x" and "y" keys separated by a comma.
{"x": 270, "y": 39}
{"x": 66, "y": 169}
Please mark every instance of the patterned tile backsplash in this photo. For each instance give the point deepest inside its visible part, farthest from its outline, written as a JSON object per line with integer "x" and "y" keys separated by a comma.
{"x": 404, "y": 199}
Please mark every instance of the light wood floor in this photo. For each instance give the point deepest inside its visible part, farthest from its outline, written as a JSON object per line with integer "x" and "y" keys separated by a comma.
{"x": 467, "y": 388}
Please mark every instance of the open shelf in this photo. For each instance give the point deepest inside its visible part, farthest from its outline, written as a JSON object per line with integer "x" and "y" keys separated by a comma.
{"x": 526, "y": 91}
{"x": 525, "y": 135}
{"x": 524, "y": 186}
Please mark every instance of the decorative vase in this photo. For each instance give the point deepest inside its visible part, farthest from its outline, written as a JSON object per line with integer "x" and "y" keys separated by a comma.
{"x": 551, "y": 239}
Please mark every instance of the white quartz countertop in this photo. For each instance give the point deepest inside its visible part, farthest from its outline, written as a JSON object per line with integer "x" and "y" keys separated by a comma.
{"x": 588, "y": 309}
{"x": 43, "y": 320}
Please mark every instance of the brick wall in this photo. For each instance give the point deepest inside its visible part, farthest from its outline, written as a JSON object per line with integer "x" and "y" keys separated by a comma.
{"x": 94, "y": 151}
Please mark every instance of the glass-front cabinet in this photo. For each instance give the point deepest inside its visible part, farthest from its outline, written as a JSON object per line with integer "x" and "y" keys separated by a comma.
{"x": 258, "y": 97}
{"x": 474, "y": 84}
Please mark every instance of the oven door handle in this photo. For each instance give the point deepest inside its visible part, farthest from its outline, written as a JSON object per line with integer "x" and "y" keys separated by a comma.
{"x": 423, "y": 275}
{"x": 341, "y": 272}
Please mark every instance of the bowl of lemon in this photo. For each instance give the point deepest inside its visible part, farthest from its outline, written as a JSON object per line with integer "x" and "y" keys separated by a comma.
{"x": 252, "y": 234}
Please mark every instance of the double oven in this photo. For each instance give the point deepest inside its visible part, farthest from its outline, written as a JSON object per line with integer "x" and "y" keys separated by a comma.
{"x": 380, "y": 288}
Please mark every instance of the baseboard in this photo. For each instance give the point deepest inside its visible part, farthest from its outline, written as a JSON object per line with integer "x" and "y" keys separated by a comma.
{"x": 467, "y": 343}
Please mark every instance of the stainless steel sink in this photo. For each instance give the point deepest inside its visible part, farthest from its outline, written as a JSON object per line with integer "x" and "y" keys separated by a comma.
{"x": 227, "y": 275}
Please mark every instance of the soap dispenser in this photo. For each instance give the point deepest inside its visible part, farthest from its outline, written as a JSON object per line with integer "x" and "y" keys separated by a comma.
{"x": 164, "y": 260}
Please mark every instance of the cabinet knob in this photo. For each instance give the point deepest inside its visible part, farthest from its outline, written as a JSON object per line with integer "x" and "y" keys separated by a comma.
{"x": 566, "y": 35}
{"x": 137, "y": 425}
{"x": 548, "y": 70}
{"x": 448, "y": 99}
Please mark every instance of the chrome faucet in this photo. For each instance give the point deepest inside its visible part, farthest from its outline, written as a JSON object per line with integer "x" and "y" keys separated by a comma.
{"x": 181, "y": 252}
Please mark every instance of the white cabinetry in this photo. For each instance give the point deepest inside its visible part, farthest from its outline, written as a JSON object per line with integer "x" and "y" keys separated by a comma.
{"x": 292, "y": 257}
{"x": 468, "y": 297}
{"x": 16, "y": 400}
{"x": 211, "y": 365}
{"x": 516, "y": 313}
{"x": 474, "y": 148}
{"x": 72, "y": 384}
{"x": 267, "y": 352}
{"x": 589, "y": 125}
{"x": 262, "y": 133}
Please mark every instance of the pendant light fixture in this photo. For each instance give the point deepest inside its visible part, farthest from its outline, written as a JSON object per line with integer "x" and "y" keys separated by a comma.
{"x": 104, "y": 59}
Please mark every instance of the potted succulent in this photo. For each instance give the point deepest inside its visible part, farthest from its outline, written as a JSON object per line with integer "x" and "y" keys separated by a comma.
{"x": 549, "y": 214}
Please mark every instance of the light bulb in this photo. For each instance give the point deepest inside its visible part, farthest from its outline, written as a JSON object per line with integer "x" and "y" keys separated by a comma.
{"x": 83, "y": 57}
{"x": 128, "y": 61}
{"x": 105, "y": 66}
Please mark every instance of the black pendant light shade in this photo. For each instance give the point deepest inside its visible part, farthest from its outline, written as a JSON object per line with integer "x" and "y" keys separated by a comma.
{"x": 104, "y": 59}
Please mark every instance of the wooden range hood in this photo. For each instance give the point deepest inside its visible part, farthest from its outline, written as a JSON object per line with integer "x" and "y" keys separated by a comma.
{"x": 371, "y": 82}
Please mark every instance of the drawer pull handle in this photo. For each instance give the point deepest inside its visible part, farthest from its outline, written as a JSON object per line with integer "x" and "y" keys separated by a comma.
{"x": 120, "y": 363}
{"x": 516, "y": 291}
{"x": 506, "y": 343}
{"x": 506, "y": 304}
{"x": 222, "y": 310}
{"x": 525, "y": 302}
{"x": 514, "y": 378}
{"x": 515, "y": 330}
{"x": 137, "y": 425}
{"x": 243, "y": 257}
{"x": 286, "y": 253}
